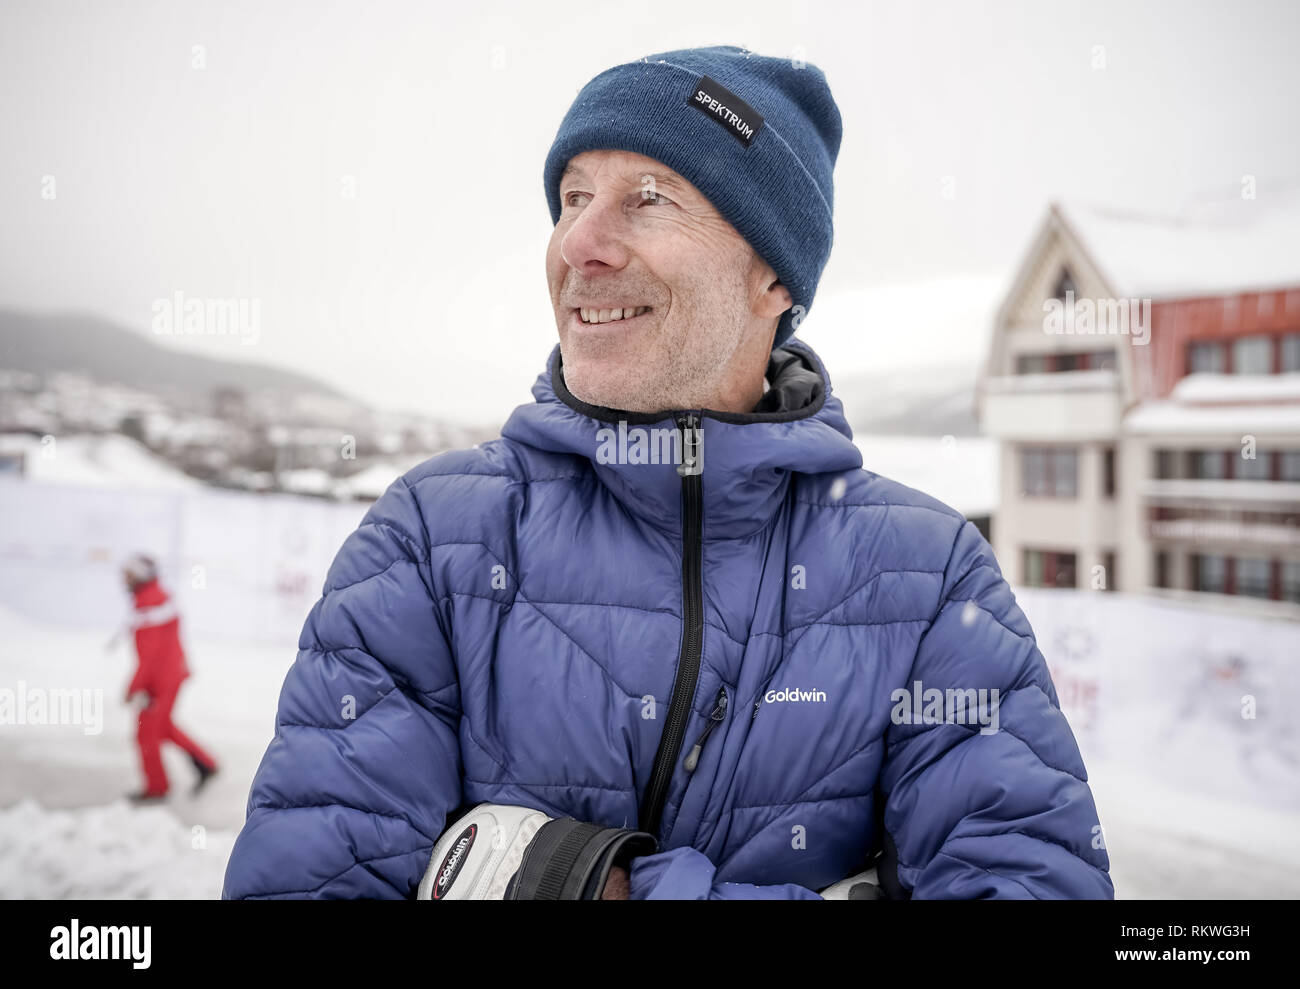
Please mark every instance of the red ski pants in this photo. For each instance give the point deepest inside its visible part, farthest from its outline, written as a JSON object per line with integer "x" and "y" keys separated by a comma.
{"x": 156, "y": 726}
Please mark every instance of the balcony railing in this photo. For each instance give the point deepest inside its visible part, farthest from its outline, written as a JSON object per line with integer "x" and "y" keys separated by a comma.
{"x": 1064, "y": 405}
{"x": 1257, "y": 494}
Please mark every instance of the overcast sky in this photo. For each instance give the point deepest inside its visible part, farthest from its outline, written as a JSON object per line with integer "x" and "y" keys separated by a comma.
{"x": 221, "y": 171}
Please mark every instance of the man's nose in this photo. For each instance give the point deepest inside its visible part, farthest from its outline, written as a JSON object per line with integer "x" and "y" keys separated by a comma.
{"x": 596, "y": 239}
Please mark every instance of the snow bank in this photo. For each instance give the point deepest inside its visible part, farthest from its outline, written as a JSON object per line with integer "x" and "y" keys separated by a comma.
{"x": 114, "y": 852}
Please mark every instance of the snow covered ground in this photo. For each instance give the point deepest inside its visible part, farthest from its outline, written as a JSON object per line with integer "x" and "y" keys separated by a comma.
{"x": 65, "y": 827}
{"x": 1195, "y": 802}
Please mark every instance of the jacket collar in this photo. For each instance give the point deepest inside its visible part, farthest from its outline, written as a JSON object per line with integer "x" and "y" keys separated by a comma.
{"x": 746, "y": 460}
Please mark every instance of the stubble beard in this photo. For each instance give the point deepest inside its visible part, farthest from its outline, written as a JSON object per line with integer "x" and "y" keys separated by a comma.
{"x": 687, "y": 361}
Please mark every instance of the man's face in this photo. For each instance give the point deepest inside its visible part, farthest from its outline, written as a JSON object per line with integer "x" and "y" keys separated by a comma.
{"x": 698, "y": 304}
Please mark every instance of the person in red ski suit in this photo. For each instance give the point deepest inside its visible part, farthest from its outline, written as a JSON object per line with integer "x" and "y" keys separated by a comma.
{"x": 159, "y": 674}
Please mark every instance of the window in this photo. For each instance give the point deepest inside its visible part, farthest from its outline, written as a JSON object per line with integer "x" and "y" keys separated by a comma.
{"x": 1162, "y": 569}
{"x": 1289, "y": 465}
{"x": 1108, "y": 472}
{"x": 1252, "y": 355}
{"x": 1207, "y": 465}
{"x": 1033, "y": 472}
{"x": 1112, "y": 575}
{"x": 1291, "y": 581}
{"x": 1033, "y": 568}
{"x": 1257, "y": 468}
{"x": 1254, "y": 577}
{"x": 1290, "y": 352}
{"x": 1065, "y": 283}
{"x": 1049, "y": 472}
{"x": 1210, "y": 573}
{"x": 1062, "y": 573}
{"x": 1089, "y": 360}
{"x": 1167, "y": 465}
{"x": 1205, "y": 358}
{"x": 1065, "y": 473}
{"x": 1049, "y": 569}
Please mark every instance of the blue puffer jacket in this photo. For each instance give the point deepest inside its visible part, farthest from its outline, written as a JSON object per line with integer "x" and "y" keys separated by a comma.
{"x": 528, "y": 623}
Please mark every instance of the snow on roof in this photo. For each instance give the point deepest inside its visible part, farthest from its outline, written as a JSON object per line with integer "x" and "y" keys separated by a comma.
{"x": 1211, "y": 249}
{"x": 1167, "y": 418}
{"x": 1238, "y": 387}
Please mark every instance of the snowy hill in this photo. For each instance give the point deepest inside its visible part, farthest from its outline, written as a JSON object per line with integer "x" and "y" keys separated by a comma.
{"x": 107, "y": 461}
{"x": 72, "y": 342}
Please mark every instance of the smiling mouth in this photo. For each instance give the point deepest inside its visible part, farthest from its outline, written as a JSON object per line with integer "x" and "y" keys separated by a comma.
{"x": 594, "y": 316}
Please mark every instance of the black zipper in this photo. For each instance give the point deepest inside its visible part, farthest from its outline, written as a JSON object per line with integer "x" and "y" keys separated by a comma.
{"x": 688, "y": 662}
{"x": 715, "y": 718}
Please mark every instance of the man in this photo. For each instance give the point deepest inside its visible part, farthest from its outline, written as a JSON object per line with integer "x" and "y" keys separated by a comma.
{"x": 159, "y": 673}
{"x": 669, "y": 604}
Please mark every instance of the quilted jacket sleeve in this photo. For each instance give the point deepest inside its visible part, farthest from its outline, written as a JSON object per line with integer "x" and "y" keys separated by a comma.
{"x": 998, "y": 808}
{"x": 364, "y": 767}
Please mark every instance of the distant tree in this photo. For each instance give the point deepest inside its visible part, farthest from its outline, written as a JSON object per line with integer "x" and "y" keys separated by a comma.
{"x": 132, "y": 425}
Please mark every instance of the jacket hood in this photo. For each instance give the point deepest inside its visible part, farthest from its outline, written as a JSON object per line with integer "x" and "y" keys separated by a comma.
{"x": 746, "y": 459}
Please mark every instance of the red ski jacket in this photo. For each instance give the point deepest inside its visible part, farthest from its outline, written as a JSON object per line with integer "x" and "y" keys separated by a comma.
{"x": 156, "y": 625}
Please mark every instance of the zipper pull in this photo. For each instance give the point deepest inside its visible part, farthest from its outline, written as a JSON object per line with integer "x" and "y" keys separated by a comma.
{"x": 718, "y": 713}
{"x": 690, "y": 445}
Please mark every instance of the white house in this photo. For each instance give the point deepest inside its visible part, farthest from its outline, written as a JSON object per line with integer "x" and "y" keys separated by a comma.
{"x": 1143, "y": 381}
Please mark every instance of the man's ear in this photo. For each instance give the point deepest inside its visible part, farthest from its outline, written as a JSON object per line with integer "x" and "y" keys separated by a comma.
{"x": 775, "y": 298}
{"x": 781, "y": 298}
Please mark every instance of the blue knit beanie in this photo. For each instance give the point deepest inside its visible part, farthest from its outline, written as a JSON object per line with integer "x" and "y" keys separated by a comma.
{"x": 758, "y": 136}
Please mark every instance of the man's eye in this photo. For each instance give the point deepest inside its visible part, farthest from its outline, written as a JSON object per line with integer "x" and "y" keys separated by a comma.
{"x": 656, "y": 199}
{"x": 572, "y": 198}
